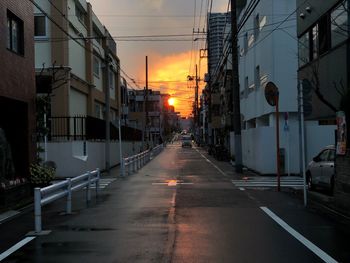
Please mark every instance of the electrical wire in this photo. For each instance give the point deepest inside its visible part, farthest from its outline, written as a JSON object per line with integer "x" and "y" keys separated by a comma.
{"x": 64, "y": 31}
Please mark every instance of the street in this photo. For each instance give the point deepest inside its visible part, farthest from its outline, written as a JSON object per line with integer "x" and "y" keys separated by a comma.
{"x": 181, "y": 207}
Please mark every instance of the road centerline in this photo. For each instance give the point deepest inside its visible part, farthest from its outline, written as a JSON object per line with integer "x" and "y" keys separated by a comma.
{"x": 311, "y": 246}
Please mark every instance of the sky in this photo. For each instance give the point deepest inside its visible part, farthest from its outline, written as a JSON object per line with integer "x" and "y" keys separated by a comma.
{"x": 169, "y": 62}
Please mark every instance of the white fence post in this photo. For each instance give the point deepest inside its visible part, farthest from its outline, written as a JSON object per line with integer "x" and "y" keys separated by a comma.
{"x": 122, "y": 167}
{"x": 37, "y": 210}
{"x": 69, "y": 196}
{"x": 88, "y": 190}
{"x": 97, "y": 183}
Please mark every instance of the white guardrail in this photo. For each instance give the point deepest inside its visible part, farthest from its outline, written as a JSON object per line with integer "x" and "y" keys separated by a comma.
{"x": 49, "y": 194}
{"x": 135, "y": 162}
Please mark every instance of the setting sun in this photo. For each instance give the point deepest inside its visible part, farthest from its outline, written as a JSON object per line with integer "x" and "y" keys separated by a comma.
{"x": 171, "y": 101}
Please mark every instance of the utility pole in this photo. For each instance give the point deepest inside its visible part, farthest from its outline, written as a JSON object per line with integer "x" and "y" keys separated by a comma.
{"x": 107, "y": 117}
{"x": 235, "y": 89}
{"x": 146, "y": 106}
{"x": 196, "y": 120}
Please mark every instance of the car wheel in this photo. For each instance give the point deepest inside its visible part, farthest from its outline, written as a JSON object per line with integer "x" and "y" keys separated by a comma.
{"x": 309, "y": 183}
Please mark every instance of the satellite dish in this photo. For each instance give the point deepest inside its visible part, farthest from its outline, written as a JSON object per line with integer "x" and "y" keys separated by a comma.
{"x": 271, "y": 93}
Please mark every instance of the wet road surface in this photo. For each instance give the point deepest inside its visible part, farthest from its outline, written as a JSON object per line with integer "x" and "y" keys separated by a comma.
{"x": 181, "y": 207}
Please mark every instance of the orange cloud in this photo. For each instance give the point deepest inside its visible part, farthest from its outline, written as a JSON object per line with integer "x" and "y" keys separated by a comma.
{"x": 169, "y": 75}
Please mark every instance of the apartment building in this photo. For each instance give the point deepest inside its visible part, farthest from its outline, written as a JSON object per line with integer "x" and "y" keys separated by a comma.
{"x": 75, "y": 59}
{"x": 17, "y": 99}
{"x": 78, "y": 75}
{"x": 146, "y": 109}
{"x": 323, "y": 34}
{"x": 269, "y": 53}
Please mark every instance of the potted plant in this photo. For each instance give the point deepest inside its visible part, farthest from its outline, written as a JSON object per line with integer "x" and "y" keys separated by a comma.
{"x": 41, "y": 175}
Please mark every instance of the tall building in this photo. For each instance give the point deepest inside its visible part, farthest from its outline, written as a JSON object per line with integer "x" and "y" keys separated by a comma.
{"x": 216, "y": 28}
{"x": 17, "y": 99}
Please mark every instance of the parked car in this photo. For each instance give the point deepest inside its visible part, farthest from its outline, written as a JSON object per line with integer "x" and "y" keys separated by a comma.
{"x": 320, "y": 171}
{"x": 186, "y": 141}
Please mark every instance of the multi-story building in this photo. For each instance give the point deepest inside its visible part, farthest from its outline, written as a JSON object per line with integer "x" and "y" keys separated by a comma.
{"x": 17, "y": 98}
{"x": 217, "y": 23}
{"x": 216, "y": 28}
{"x": 270, "y": 55}
{"x": 72, "y": 53}
{"x": 323, "y": 34}
{"x": 145, "y": 108}
{"x": 77, "y": 72}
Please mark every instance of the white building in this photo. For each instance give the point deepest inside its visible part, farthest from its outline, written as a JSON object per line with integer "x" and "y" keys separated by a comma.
{"x": 269, "y": 52}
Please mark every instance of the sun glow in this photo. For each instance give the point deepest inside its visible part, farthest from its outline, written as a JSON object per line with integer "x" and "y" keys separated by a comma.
{"x": 171, "y": 101}
{"x": 169, "y": 75}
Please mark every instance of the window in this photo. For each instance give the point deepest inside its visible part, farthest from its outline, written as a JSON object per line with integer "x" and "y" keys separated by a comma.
{"x": 111, "y": 79}
{"x": 80, "y": 14}
{"x": 257, "y": 26}
{"x": 323, "y": 156}
{"x": 257, "y": 77}
{"x": 339, "y": 24}
{"x": 40, "y": 26}
{"x": 96, "y": 67}
{"x": 245, "y": 43}
{"x": 314, "y": 42}
{"x": 304, "y": 49}
{"x": 324, "y": 40}
{"x": 262, "y": 23}
{"x": 15, "y": 36}
{"x": 251, "y": 40}
{"x": 246, "y": 84}
{"x": 99, "y": 110}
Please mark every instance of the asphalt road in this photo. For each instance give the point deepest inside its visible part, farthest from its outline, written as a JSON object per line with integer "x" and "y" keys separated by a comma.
{"x": 181, "y": 207}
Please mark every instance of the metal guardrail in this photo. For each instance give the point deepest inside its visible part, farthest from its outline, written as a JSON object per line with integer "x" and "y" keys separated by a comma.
{"x": 49, "y": 194}
{"x": 135, "y": 162}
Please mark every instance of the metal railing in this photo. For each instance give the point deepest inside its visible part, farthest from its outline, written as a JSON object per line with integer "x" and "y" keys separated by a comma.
{"x": 135, "y": 162}
{"x": 49, "y": 194}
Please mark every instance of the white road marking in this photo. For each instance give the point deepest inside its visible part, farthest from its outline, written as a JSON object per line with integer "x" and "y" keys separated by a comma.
{"x": 15, "y": 247}
{"x": 103, "y": 183}
{"x": 241, "y": 188}
{"x": 315, "y": 249}
{"x": 217, "y": 168}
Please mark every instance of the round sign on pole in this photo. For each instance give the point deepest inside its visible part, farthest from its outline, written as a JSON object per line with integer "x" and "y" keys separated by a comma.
{"x": 271, "y": 93}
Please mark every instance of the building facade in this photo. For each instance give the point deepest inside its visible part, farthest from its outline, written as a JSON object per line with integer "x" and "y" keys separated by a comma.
{"x": 71, "y": 54}
{"x": 17, "y": 97}
{"x": 323, "y": 34}
{"x": 145, "y": 108}
{"x": 269, "y": 54}
{"x": 78, "y": 78}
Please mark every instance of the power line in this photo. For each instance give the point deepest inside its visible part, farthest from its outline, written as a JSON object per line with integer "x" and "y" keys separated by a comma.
{"x": 65, "y": 32}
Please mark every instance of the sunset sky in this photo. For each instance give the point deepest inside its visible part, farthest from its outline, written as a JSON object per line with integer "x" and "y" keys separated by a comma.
{"x": 170, "y": 62}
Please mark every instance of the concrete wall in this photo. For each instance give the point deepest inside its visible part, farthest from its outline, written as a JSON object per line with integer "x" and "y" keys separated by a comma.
{"x": 259, "y": 145}
{"x": 259, "y": 149}
{"x": 71, "y": 161}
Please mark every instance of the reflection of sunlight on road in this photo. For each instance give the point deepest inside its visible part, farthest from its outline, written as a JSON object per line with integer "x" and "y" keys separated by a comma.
{"x": 172, "y": 182}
